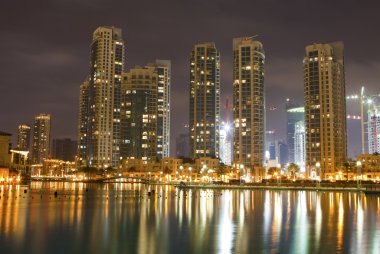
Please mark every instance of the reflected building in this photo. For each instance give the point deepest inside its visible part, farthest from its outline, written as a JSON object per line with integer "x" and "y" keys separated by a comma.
{"x": 41, "y": 138}
{"x": 139, "y": 114}
{"x": 23, "y": 137}
{"x": 204, "y": 101}
{"x": 248, "y": 103}
{"x": 325, "y": 108}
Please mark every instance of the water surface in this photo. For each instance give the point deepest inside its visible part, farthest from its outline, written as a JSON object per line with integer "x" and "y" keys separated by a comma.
{"x": 123, "y": 218}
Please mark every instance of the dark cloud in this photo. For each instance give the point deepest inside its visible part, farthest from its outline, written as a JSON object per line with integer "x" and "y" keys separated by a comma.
{"x": 44, "y": 49}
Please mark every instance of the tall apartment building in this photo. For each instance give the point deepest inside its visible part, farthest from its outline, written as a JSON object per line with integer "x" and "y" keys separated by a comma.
{"x": 41, "y": 138}
{"x": 163, "y": 70}
{"x": 204, "y": 101}
{"x": 325, "y": 108}
{"x": 300, "y": 145}
{"x": 294, "y": 114}
{"x": 101, "y": 145}
{"x": 83, "y": 137}
{"x": 139, "y": 114}
{"x": 23, "y": 137}
{"x": 248, "y": 103}
{"x": 374, "y": 127}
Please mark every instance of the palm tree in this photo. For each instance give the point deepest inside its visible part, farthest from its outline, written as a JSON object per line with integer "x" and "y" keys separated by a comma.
{"x": 293, "y": 169}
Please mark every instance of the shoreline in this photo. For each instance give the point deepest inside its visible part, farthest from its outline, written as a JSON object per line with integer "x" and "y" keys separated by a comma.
{"x": 274, "y": 187}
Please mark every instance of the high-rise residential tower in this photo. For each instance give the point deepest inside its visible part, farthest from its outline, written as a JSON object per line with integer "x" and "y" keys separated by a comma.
{"x": 248, "y": 103}
{"x": 83, "y": 137}
{"x": 23, "y": 137}
{"x": 103, "y": 123}
{"x": 325, "y": 108}
{"x": 139, "y": 114}
{"x": 204, "y": 101}
{"x": 163, "y": 70}
{"x": 294, "y": 114}
{"x": 374, "y": 127}
{"x": 41, "y": 138}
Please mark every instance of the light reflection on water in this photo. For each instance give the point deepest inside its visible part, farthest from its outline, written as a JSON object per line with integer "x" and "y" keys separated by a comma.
{"x": 116, "y": 218}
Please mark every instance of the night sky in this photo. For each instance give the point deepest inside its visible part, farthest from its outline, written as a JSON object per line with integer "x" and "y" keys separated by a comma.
{"x": 44, "y": 50}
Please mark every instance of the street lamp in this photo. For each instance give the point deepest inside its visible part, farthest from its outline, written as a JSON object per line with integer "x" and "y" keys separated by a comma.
{"x": 359, "y": 167}
{"x": 190, "y": 173}
{"x": 318, "y": 165}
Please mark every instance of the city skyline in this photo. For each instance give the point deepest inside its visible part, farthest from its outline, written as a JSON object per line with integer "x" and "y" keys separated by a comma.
{"x": 284, "y": 64}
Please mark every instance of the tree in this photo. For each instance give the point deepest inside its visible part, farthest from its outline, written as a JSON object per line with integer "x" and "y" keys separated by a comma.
{"x": 273, "y": 170}
{"x": 293, "y": 169}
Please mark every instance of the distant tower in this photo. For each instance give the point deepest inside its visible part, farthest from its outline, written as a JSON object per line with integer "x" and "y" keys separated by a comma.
{"x": 23, "y": 137}
{"x": 248, "y": 102}
{"x": 139, "y": 124}
{"x": 83, "y": 131}
{"x": 225, "y": 144}
{"x": 300, "y": 145}
{"x": 204, "y": 100}
{"x": 294, "y": 113}
{"x": 325, "y": 108}
{"x": 106, "y": 68}
{"x": 374, "y": 127}
{"x": 41, "y": 138}
{"x": 163, "y": 70}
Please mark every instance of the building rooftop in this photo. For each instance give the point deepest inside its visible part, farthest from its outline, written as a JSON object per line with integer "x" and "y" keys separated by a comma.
{"x": 2, "y": 133}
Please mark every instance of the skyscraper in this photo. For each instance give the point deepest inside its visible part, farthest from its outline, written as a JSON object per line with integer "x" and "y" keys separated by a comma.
{"x": 163, "y": 70}
{"x": 225, "y": 144}
{"x": 204, "y": 101}
{"x": 182, "y": 145}
{"x": 248, "y": 103}
{"x": 83, "y": 137}
{"x": 294, "y": 113}
{"x": 41, "y": 138}
{"x": 103, "y": 123}
{"x": 64, "y": 149}
{"x": 374, "y": 127}
{"x": 23, "y": 137}
{"x": 300, "y": 145}
{"x": 325, "y": 108}
{"x": 139, "y": 114}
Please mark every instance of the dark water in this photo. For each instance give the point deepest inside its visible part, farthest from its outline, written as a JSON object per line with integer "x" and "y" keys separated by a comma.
{"x": 122, "y": 218}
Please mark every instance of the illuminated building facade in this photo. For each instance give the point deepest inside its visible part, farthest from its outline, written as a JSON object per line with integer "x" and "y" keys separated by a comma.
{"x": 294, "y": 114}
{"x": 374, "y": 127}
{"x": 325, "y": 108}
{"x": 300, "y": 145}
{"x": 163, "y": 70}
{"x": 99, "y": 141}
{"x": 225, "y": 144}
{"x": 41, "y": 138}
{"x": 204, "y": 101}
{"x": 23, "y": 137}
{"x": 248, "y": 103}
{"x": 139, "y": 114}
